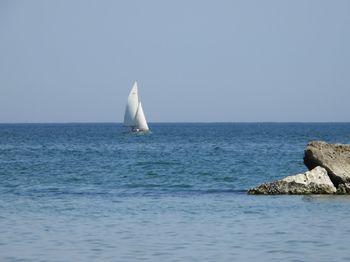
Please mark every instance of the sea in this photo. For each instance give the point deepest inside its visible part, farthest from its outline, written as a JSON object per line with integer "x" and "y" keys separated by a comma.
{"x": 95, "y": 192}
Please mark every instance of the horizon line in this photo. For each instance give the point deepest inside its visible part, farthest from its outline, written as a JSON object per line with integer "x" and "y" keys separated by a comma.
{"x": 186, "y": 122}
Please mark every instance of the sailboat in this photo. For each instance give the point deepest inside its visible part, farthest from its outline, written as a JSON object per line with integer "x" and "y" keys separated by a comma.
{"x": 134, "y": 116}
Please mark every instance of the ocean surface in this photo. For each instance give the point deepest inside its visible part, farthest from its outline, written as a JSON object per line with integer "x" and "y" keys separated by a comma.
{"x": 94, "y": 192}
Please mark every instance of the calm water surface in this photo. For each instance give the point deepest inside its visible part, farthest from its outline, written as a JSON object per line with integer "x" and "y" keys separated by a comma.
{"x": 93, "y": 192}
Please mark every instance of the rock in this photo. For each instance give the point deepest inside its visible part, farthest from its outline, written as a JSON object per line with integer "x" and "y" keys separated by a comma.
{"x": 335, "y": 158}
{"x": 315, "y": 181}
{"x": 343, "y": 189}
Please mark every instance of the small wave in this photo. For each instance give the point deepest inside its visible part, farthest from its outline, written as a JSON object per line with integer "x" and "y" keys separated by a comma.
{"x": 152, "y": 174}
{"x": 235, "y": 191}
{"x": 214, "y": 191}
{"x": 181, "y": 186}
{"x": 151, "y": 163}
{"x": 144, "y": 185}
{"x": 226, "y": 179}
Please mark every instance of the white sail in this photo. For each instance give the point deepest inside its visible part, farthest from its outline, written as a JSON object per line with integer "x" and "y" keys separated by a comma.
{"x": 134, "y": 116}
{"x": 131, "y": 107}
{"x": 140, "y": 119}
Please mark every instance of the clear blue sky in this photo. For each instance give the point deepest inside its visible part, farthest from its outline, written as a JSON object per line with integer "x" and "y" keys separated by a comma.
{"x": 75, "y": 61}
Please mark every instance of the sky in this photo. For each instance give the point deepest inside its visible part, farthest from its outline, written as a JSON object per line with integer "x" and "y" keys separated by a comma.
{"x": 195, "y": 61}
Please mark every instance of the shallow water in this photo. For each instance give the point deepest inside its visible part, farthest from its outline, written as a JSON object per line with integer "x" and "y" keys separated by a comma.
{"x": 94, "y": 192}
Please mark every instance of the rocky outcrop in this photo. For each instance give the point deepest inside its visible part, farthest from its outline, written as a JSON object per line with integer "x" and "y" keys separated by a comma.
{"x": 329, "y": 166}
{"x": 335, "y": 158}
{"x": 343, "y": 189}
{"x": 315, "y": 181}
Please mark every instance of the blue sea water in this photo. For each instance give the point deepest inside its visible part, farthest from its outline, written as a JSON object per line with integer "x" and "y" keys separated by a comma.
{"x": 94, "y": 192}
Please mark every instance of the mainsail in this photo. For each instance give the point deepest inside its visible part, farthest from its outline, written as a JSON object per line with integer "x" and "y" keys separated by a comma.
{"x": 131, "y": 107}
{"x": 134, "y": 116}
